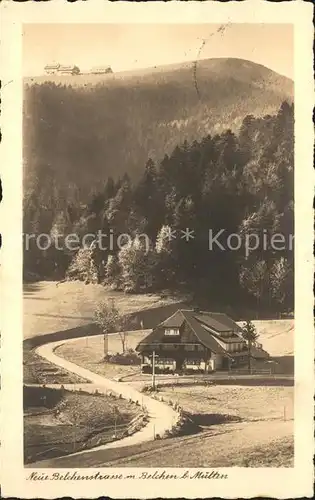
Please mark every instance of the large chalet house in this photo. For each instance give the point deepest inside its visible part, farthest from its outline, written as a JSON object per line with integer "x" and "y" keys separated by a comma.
{"x": 190, "y": 341}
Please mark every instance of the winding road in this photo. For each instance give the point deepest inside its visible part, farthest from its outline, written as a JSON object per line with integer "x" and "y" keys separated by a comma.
{"x": 162, "y": 417}
{"x": 42, "y": 317}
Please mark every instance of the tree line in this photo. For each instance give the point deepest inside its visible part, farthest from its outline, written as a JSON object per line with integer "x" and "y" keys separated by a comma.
{"x": 241, "y": 183}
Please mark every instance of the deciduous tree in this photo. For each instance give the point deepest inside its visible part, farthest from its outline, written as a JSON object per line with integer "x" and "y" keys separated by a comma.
{"x": 110, "y": 320}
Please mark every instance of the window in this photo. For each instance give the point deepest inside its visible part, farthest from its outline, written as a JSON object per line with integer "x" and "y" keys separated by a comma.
{"x": 171, "y": 331}
{"x": 195, "y": 362}
{"x": 164, "y": 361}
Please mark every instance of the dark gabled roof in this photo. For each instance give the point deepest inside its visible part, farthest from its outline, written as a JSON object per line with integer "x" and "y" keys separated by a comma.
{"x": 157, "y": 334}
{"x": 67, "y": 67}
{"x": 206, "y": 338}
{"x": 200, "y": 323}
{"x": 218, "y": 321}
{"x": 174, "y": 321}
{"x": 153, "y": 337}
{"x": 229, "y": 340}
{"x": 52, "y": 66}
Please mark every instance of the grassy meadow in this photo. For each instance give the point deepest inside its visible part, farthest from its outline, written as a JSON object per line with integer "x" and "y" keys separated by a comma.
{"x": 50, "y": 306}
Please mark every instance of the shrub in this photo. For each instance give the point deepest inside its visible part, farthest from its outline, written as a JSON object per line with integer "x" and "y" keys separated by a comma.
{"x": 128, "y": 358}
{"x": 146, "y": 369}
{"x": 168, "y": 434}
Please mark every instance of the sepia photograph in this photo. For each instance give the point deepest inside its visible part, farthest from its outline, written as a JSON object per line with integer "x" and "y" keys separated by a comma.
{"x": 159, "y": 257}
{"x": 158, "y": 223}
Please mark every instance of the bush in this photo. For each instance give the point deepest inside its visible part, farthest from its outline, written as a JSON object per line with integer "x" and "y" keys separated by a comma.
{"x": 168, "y": 434}
{"x": 149, "y": 388}
{"x": 158, "y": 370}
{"x": 146, "y": 369}
{"x": 191, "y": 371}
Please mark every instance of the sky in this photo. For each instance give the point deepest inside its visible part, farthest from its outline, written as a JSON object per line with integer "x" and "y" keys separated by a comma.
{"x": 135, "y": 46}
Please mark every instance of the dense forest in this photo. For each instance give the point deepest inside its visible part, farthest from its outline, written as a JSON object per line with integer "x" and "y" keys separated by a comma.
{"x": 237, "y": 181}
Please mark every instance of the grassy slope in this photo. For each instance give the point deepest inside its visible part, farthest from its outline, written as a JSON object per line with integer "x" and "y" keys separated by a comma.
{"x": 245, "y": 444}
{"x": 240, "y": 403}
{"x": 48, "y": 434}
{"x": 149, "y": 113}
{"x": 50, "y": 307}
{"x": 277, "y": 336}
{"x": 89, "y": 353}
{"x": 176, "y": 451}
{"x": 230, "y": 447}
{"x": 37, "y": 370}
{"x": 242, "y": 426}
{"x": 214, "y": 69}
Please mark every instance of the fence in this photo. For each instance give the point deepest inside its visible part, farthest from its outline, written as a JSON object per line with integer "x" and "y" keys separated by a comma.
{"x": 74, "y": 442}
{"x": 114, "y": 431}
{"x": 76, "y": 437}
{"x": 254, "y": 371}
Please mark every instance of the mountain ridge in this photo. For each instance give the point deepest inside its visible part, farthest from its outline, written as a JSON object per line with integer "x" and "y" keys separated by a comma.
{"x": 80, "y": 130}
{"x": 159, "y": 68}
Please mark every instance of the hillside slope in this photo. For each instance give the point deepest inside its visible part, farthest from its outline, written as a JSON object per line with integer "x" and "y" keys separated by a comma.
{"x": 78, "y": 130}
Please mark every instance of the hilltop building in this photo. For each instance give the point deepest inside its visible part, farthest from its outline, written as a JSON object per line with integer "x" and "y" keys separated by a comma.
{"x": 59, "y": 69}
{"x": 51, "y": 69}
{"x": 69, "y": 70}
{"x": 196, "y": 341}
{"x": 101, "y": 70}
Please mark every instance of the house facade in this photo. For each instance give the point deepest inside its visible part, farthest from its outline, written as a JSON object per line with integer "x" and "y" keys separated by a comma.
{"x": 196, "y": 341}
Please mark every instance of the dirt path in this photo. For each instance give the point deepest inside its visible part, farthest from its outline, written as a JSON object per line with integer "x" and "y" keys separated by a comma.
{"x": 161, "y": 416}
{"x": 214, "y": 447}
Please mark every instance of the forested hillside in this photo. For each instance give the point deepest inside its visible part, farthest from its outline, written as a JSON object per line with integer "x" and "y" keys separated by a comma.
{"x": 79, "y": 130}
{"x": 240, "y": 182}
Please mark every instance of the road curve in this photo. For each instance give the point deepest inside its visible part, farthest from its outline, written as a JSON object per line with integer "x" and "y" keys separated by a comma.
{"x": 162, "y": 417}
